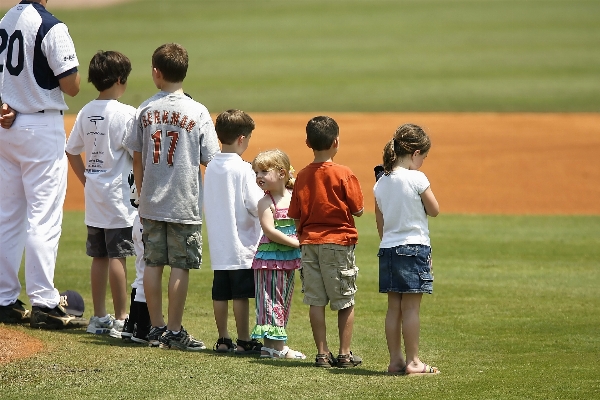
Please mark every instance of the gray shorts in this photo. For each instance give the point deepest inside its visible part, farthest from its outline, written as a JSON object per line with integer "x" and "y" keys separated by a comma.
{"x": 169, "y": 243}
{"x": 111, "y": 243}
{"x": 328, "y": 275}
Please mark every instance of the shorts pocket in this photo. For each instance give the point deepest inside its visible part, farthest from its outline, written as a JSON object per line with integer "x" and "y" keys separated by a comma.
{"x": 426, "y": 278}
{"x": 348, "y": 281}
{"x": 193, "y": 248}
{"x": 380, "y": 253}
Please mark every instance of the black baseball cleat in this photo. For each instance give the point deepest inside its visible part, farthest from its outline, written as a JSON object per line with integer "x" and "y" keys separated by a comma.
{"x": 55, "y": 318}
{"x": 14, "y": 313}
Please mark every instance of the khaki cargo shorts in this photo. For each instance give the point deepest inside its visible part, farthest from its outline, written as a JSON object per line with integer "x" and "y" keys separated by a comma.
{"x": 328, "y": 275}
{"x": 169, "y": 243}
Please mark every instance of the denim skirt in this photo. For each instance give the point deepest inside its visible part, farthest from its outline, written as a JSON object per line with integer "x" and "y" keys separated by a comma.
{"x": 405, "y": 269}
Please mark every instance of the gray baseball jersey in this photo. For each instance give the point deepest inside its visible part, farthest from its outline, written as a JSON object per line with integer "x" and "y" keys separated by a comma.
{"x": 174, "y": 134}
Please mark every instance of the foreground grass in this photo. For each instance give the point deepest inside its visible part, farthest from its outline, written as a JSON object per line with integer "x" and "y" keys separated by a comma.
{"x": 357, "y": 55}
{"x": 514, "y": 315}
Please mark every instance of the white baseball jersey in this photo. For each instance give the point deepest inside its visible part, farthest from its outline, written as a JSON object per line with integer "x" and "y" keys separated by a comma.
{"x": 36, "y": 50}
{"x": 98, "y": 131}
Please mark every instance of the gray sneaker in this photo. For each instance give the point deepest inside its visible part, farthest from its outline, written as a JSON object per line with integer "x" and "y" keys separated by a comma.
{"x": 117, "y": 328}
{"x": 182, "y": 341}
{"x": 100, "y": 325}
{"x": 154, "y": 335}
{"x": 55, "y": 318}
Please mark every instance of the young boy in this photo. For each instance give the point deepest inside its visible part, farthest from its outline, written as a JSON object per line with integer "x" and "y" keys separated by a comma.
{"x": 172, "y": 135}
{"x": 231, "y": 209}
{"x": 98, "y": 131}
{"x": 326, "y": 196}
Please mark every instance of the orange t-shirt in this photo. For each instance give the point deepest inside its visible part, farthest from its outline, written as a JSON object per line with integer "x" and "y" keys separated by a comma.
{"x": 324, "y": 198}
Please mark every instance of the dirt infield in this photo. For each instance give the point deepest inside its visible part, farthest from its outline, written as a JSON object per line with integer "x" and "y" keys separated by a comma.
{"x": 483, "y": 163}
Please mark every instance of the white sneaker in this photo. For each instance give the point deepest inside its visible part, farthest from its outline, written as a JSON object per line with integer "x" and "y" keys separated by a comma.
{"x": 100, "y": 325}
{"x": 117, "y": 328}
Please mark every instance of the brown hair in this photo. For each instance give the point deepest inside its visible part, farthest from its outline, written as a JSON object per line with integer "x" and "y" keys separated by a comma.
{"x": 107, "y": 68}
{"x": 407, "y": 139}
{"x": 321, "y": 132}
{"x": 232, "y": 124}
{"x": 275, "y": 160}
{"x": 171, "y": 59}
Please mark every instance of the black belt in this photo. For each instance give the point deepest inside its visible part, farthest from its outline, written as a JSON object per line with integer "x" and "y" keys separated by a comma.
{"x": 60, "y": 111}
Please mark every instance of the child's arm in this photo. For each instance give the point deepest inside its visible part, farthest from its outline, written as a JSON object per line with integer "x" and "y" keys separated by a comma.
{"x": 77, "y": 165}
{"x": 379, "y": 220}
{"x": 138, "y": 171}
{"x": 432, "y": 208}
{"x": 267, "y": 223}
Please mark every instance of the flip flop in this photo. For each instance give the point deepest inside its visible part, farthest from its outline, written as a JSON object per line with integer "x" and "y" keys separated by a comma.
{"x": 427, "y": 370}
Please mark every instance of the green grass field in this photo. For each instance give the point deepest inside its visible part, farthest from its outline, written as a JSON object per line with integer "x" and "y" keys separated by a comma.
{"x": 514, "y": 315}
{"x": 369, "y": 55}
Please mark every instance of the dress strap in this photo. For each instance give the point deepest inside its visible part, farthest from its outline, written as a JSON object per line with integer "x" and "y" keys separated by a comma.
{"x": 273, "y": 200}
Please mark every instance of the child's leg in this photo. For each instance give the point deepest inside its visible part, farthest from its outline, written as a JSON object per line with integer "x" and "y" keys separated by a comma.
{"x": 178, "y": 288}
{"x": 345, "y": 328}
{"x": 319, "y": 329}
{"x": 241, "y": 313}
{"x": 221, "y": 311}
{"x": 99, "y": 281}
{"x": 411, "y": 304}
{"x": 153, "y": 291}
{"x": 117, "y": 276}
{"x": 393, "y": 332}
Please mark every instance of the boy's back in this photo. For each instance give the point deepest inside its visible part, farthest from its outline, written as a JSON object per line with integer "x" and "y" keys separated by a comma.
{"x": 174, "y": 135}
{"x": 231, "y": 207}
{"x": 325, "y": 197}
{"x": 98, "y": 131}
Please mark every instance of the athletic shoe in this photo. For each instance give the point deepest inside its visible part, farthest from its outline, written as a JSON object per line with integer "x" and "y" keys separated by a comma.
{"x": 101, "y": 325}
{"x": 140, "y": 334}
{"x": 154, "y": 335}
{"x": 181, "y": 340}
{"x": 127, "y": 331}
{"x": 14, "y": 313}
{"x": 117, "y": 328}
{"x": 55, "y": 318}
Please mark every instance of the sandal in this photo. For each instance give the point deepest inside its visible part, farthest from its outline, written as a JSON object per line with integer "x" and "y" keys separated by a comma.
{"x": 227, "y": 342}
{"x": 427, "y": 370}
{"x": 348, "y": 360}
{"x": 285, "y": 353}
{"x": 325, "y": 361}
{"x": 250, "y": 346}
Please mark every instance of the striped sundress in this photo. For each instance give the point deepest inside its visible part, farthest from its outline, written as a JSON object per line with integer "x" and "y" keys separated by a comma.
{"x": 274, "y": 266}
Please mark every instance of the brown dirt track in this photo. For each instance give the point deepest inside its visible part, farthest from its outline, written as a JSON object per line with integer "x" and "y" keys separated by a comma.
{"x": 483, "y": 163}
{"x": 479, "y": 163}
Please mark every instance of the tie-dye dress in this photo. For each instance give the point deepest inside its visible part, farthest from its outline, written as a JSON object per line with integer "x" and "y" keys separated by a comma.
{"x": 274, "y": 266}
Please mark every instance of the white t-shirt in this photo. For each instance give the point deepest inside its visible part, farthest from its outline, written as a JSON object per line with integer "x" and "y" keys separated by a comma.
{"x": 98, "y": 131}
{"x": 231, "y": 198}
{"x": 37, "y": 51}
{"x": 398, "y": 196}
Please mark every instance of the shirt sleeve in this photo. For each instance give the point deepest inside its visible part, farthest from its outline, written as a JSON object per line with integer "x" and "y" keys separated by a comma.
{"x": 209, "y": 145}
{"x": 59, "y": 50}
{"x": 421, "y": 183}
{"x": 75, "y": 144}
{"x": 354, "y": 194}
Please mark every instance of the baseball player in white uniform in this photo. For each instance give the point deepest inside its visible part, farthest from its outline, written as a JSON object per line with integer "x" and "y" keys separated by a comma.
{"x": 37, "y": 65}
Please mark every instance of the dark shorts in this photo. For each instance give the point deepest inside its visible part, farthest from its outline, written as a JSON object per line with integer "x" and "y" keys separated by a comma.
{"x": 405, "y": 269}
{"x": 173, "y": 244}
{"x": 111, "y": 243}
{"x": 233, "y": 284}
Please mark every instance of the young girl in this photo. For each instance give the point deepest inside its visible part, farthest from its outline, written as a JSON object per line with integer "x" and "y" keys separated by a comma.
{"x": 277, "y": 256}
{"x": 403, "y": 199}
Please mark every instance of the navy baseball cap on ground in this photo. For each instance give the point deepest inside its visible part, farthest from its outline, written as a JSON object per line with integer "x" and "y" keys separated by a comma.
{"x": 72, "y": 302}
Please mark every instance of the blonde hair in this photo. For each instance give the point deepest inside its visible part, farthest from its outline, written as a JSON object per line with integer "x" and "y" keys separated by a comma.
{"x": 275, "y": 160}
{"x": 407, "y": 139}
